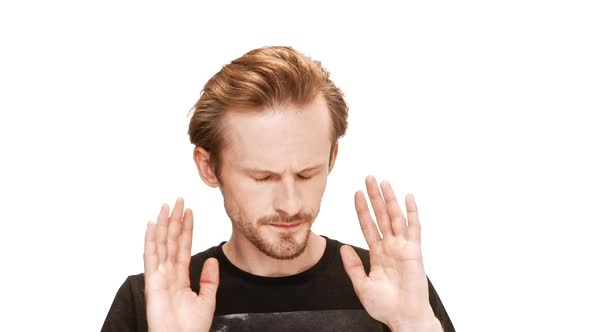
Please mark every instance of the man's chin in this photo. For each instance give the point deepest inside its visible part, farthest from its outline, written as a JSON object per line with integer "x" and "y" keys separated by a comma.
{"x": 286, "y": 247}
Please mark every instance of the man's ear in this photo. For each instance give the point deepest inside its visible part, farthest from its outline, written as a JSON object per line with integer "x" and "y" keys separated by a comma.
{"x": 333, "y": 157}
{"x": 205, "y": 166}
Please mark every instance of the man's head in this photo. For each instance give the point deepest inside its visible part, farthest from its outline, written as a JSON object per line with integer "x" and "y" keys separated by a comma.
{"x": 265, "y": 131}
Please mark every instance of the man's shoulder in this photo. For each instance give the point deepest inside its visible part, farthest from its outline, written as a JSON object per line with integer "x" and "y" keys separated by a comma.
{"x": 363, "y": 253}
{"x": 128, "y": 309}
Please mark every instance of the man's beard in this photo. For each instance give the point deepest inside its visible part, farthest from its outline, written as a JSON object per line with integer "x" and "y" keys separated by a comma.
{"x": 286, "y": 247}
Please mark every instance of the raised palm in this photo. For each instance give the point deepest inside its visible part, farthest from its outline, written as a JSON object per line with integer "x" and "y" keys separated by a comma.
{"x": 395, "y": 291}
{"x": 171, "y": 304}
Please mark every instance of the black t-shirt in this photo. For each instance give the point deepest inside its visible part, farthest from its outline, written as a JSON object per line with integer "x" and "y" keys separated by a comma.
{"x": 319, "y": 299}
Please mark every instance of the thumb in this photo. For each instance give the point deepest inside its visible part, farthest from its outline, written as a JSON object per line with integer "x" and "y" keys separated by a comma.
{"x": 353, "y": 266}
{"x": 209, "y": 279}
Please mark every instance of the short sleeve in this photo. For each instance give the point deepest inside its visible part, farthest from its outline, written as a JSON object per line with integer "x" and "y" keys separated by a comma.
{"x": 439, "y": 309}
{"x": 127, "y": 312}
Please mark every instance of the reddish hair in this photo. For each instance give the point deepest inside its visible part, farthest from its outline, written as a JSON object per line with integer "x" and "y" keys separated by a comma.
{"x": 263, "y": 78}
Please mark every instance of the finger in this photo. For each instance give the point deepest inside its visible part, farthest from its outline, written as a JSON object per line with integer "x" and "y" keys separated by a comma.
{"x": 185, "y": 240}
{"x": 162, "y": 233}
{"x": 209, "y": 279}
{"x": 379, "y": 206}
{"x": 368, "y": 227}
{"x": 414, "y": 227}
{"x": 353, "y": 267}
{"x": 174, "y": 227}
{"x": 398, "y": 221}
{"x": 150, "y": 254}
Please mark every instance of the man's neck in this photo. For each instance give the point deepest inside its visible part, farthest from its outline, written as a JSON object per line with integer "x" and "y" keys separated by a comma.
{"x": 247, "y": 257}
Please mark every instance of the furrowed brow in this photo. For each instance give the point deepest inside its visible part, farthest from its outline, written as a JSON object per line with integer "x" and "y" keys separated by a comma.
{"x": 261, "y": 170}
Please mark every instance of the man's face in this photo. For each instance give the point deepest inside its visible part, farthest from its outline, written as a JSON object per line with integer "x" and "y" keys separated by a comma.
{"x": 274, "y": 172}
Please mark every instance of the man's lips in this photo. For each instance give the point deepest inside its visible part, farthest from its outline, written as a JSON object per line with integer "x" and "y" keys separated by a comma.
{"x": 286, "y": 226}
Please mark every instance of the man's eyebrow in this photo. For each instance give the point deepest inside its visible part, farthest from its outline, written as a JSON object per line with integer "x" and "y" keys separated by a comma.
{"x": 261, "y": 170}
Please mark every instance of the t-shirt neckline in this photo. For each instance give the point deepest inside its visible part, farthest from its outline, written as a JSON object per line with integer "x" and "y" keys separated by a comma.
{"x": 327, "y": 256}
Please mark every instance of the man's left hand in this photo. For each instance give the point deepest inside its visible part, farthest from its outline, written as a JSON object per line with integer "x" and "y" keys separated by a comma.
{"x": 396, "y": 290}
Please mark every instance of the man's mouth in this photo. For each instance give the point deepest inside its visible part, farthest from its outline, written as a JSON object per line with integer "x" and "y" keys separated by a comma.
{"x": 286, "y": 226}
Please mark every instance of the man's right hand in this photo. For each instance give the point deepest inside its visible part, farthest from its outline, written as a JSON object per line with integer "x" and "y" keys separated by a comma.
{"x": 171, "y": 305}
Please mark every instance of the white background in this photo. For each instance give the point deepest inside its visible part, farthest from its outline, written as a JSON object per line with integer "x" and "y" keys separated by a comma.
{"x": 478, "y": 108}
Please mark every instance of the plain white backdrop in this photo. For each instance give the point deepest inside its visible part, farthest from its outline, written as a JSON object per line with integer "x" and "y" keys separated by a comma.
{"x": 477, "y": 108}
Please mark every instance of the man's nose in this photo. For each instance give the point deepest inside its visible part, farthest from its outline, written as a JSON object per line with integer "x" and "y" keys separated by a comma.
{"x": 288, "y": 198}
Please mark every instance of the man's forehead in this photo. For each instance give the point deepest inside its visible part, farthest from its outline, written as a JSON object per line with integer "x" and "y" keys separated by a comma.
{"x": 298, "y": 134}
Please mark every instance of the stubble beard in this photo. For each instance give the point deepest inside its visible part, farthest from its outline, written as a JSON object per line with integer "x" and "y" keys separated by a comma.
{"x": 286, "y": 247}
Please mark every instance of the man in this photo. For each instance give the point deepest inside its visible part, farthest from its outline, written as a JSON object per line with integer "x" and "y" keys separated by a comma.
{"x": 266, "y": 131}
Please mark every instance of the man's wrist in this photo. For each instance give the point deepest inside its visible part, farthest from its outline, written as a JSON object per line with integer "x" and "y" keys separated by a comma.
{"x": 427, "y": 324}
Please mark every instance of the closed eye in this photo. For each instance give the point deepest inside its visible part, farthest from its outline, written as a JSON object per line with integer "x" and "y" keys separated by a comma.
{"x": 266, "y": 178}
